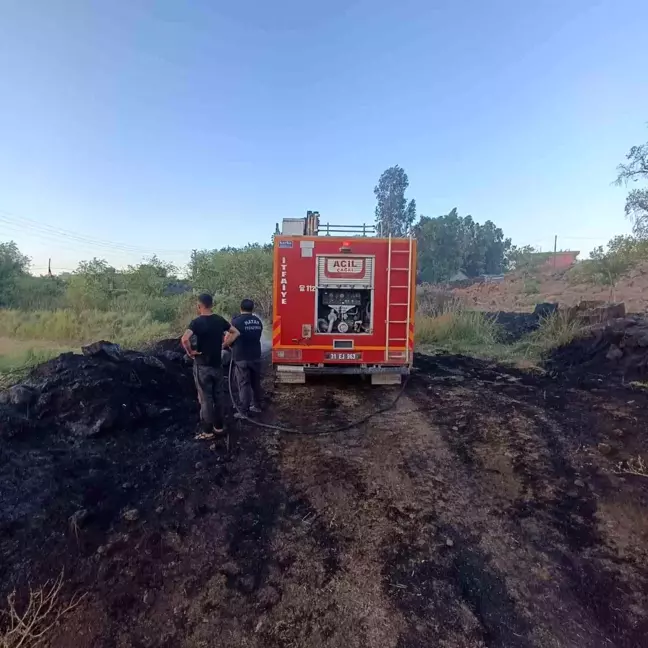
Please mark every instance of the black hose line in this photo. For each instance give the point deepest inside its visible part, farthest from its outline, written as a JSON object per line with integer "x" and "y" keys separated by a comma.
{"x": 310, "y": 431}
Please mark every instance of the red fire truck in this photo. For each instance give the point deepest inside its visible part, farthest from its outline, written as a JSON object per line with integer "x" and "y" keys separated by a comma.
{"x": 343, "y": 301}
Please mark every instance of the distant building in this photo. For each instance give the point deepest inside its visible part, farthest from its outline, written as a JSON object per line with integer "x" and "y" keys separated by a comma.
{"x": 560, "y": 261}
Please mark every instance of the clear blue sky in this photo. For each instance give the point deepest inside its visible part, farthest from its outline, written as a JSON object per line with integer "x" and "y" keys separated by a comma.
{"x": 165, "y": 125}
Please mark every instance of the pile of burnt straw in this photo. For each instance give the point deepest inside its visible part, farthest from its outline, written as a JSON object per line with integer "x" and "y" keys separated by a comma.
{"x": 617, "y": 347}
{"x": 103, "y": 390}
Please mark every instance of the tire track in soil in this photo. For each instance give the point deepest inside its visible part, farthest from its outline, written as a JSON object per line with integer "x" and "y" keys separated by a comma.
{"x": 448, "y": 580}
{"x": 328, "y": 473}
{"x": 362, "y": 483}
{"x": 552, "y": 515}
{"x": 577, "y": 543}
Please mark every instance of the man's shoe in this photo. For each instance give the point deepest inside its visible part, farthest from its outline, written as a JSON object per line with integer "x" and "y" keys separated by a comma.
{"x": 255, "y": 410}
{"x": 240, "y": 416}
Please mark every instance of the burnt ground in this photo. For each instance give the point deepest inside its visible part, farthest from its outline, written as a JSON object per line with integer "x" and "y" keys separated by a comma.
{"x": 483, "y": 510}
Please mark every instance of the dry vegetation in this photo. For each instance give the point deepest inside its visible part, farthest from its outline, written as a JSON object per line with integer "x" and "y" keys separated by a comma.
{"x": 519, "y": 292}
{"x": 445, "y": 323}
{"x": 27, "y": 625}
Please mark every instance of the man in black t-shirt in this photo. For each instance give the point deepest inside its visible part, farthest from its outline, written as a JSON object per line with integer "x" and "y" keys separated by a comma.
{"x": 209, "y": 330}
{"x": 246, "y": 356}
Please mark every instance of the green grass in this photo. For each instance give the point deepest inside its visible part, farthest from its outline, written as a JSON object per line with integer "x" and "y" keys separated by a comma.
{"x": 458, "y": 330}
{"x": 15, "y": 364}
{"x": 554, "y": 331}
{"x": 28, "y": 338}
{"x": 66, "y": 326}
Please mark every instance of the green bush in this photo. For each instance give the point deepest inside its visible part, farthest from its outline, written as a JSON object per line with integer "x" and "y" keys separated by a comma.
{"x": 554, "y": 331}
{"x": 161, "y": 309}
{"x": 457, "y": 329}
{"x": 605, "y": 267}
{"x": 233, "y": 274}
{"x": 45, "y": 293}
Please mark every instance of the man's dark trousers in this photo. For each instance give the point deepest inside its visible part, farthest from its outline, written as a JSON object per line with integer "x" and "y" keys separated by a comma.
{"x": 209, "y": 383}
{"x": 248, "y": 382}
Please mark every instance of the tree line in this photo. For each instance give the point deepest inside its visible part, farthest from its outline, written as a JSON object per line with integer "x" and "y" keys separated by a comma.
{"x": 152, "y": 286}
{"x": 447, "y": 244}
{"x": 452, "y": 243}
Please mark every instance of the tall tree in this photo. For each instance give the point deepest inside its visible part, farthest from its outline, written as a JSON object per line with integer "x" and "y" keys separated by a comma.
{"x": 450, "y": 243}
{"x": 634, "y": 170}
{"x": 495, "y": 246}
{"x": 440, "y": 247}
{"x": 394, "y": 214}
{"x": 13, "y": 265}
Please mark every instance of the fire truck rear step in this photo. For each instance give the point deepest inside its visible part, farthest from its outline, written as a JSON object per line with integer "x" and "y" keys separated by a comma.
{"x": 380, "y": 375}
{"x": 386, "y": 379}
{"x": 290, "y": 374}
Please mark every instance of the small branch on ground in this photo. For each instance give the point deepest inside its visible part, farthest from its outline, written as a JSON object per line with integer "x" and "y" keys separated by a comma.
{"x": 633, "y": 466}
{"x": 30, "y": 626}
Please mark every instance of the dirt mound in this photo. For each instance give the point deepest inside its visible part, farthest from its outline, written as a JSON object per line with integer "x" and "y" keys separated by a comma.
{"x": 169, "y": 345}
{"x": 78, "y": 438}
{"x": 99, "y": 392}
{"x": 487, "y": 509}
{"x": 519, "y": 291}
{"x": 615, "y": 348}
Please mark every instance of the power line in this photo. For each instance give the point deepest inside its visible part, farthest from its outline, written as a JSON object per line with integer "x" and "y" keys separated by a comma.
{"x": 584, "y": 238}
{"x": 70, "y": 245}
{"x": 49, "y": 231}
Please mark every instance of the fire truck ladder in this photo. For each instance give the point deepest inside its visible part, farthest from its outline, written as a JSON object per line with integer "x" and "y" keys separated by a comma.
{"x": 395, "y": 266}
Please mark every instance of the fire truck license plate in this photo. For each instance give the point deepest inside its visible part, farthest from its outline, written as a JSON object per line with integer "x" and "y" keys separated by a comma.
{"x": 341, "y": 355}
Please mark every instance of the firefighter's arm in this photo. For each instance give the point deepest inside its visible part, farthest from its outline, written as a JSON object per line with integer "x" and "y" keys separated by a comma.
{"x": 230, "y": 337}
{"x": 185, "y": 340}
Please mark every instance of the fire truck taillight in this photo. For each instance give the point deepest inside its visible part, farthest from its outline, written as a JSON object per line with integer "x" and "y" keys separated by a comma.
{"x": 396, "y": 355}
{"x": 288, "y": 354}
{"x": 346, "y": 247}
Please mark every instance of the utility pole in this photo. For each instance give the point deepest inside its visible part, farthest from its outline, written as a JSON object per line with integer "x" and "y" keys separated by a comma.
{"x": 555, "y": 249}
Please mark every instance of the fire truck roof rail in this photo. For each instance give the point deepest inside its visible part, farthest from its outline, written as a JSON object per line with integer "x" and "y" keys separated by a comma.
{"x": 328, "y": 229}
{"x": 311, "y": 226}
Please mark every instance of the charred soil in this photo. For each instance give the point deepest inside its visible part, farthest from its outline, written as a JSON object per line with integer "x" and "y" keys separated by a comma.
{"x": 490, "y": 507}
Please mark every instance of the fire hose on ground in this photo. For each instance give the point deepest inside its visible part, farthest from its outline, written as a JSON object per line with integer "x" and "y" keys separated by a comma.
{"x": 310, "y": 431}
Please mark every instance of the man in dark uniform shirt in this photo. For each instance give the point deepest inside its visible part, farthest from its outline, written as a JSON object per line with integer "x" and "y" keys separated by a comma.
{"x": 209, "y": 330}
{"x": 246, "y": 356}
